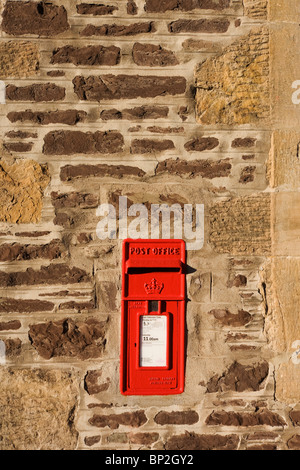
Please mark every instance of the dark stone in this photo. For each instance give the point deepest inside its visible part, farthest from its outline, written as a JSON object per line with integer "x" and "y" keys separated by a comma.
{"x": 227, "y": 318}
{"x": 134, "y": 419}
{"x": 262, "y": 417}
{"x": 69, "y": 117}
{"x": 150, "y": 55}
{"x": 201, "y": 144}
{"x": 70, "y": 172}
{"x": 243, "y": 142}
{"x": 240, "y": 378}
{"x": 88, "y": 55}
{"x": 41, "y": 18}
{"x": 84, "y": 339}
{"x": 37, "y": 92}
{"x": 118, "y": 30}
{"x": 74, "y": 142}
{"x": 74, "y": 199}
{"x": 176, "y": 417}
{"x": 199, "y": 26}
{"x": 91, "y": 382}
{"x": 52, "y": 274}
{"x": 206, "y": 168}
{"x": 8, "y": 305}
{"x": 137, "y": 113}
{"x": 151, "y": 146}
{"x": 16, "y": 251}
{"x": 158, "y": 6}
{"x": 192, "y": 441}
{"x": 95, "y": 9}
{"x": 115, "y": 87}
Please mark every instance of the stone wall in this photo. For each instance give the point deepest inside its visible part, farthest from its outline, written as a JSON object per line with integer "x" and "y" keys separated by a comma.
{"x": 170, "y": 101}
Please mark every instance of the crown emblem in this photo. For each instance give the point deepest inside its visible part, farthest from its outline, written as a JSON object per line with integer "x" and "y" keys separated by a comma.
{"x": 153, "y": 287}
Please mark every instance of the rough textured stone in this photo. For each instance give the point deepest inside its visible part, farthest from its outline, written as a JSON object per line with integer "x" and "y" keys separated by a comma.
{"x": 218, "y": 25}
{"x": 150, "y": 55}
{"x": 37, "y": 409}
{"x": 69, "y": 117}
{"x": 68, "y": 337}
{"x": 8, "y": 305}
{"x": 18, "y": 59}
{"x": 243, "y": 142}
{"x": 137, "y": 113}
{"x": 18, "y": 147}
{"x": 197, "y": 45}
{"x": 240, "y": 378}
{"x": 73, "y": 199}
{"x": 108, "y": 87}
{"x": 247, "y": 174}
{"x": 90, "y": 441}
{"x": 95, "y": 9}
{"x": 233, "y": 87}
{"x": 39, "y": 18}
{"x": 176, "y": 417}
{"x": 143, "y": 438}
{"x": 10, "y": 325}
{"x": 118, "y": 30}
{"x": 37, "y": 92}
{"x": 13, "y": 347}
{"x": 70, "y": 172}
{"x": 88, "y": 55}
{"x": 16, "y": 251}
{"x": 263, "y": 417}
{"x": 226, "y": 318}
{"x": 242, "y": 225}
{"x": 257, "y": 9}
{"x": 201, "y": 144}
{"x": 191, "y": 169}
{"x": 21, "y": 135}
{"x": 133, "y": 419}
{"x": 150, "y": 146}
{"x": 72, "y": 142}
{"x": 92, "y": 384}
{"x": 132, "y": 8}
{"x": 52, "y": 274}
{"x": 22, "y": 186}
{"x": 157, "y": 6}
{"x": 295, "y": 417}
{"x": 294, "y": 442}
{"x": 193, "y": 441}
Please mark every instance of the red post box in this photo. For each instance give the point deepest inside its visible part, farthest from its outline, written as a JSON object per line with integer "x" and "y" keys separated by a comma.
{"x": 153, "y": 317}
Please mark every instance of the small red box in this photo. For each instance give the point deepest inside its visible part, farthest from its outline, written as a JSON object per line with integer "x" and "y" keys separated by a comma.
{"x": 153, "y": 317}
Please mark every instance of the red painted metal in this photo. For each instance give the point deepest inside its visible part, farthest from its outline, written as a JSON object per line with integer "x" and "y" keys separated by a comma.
{"x": 153, "y": 317}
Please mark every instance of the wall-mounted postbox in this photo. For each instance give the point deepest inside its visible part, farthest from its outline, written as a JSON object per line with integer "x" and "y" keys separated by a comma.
{"x": 153, "y": 317}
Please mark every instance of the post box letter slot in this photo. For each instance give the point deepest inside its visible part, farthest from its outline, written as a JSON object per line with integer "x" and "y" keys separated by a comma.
{"x": 153, "y": 317}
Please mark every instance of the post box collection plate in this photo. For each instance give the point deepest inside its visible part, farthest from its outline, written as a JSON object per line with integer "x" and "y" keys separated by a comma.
{"x": 153, "y": 317}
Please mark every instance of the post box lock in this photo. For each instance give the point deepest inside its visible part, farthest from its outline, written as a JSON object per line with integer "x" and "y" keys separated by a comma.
{"x": 153, "y": 317}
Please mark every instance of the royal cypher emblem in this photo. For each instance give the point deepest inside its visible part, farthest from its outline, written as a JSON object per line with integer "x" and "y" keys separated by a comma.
{"x": 153, "y": 287}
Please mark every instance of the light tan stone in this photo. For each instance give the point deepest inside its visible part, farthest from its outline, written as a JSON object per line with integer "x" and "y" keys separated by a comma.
{"x": 285, "y": 159}
{"x": 282, "y": 324}
{"x": 233, "y": 87}
{"x": 18, "y": 59}
{"x": 22, "y": 183}
{"x": 37, "y": 409}
{"x": 285, "y": 75}
{"x": 287, "y": 379}
{"x": 257, "y": 9}
{"x": 283, "y": 10}
{"x": 286, "y": 223}
{"x": 241, "y": 225}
